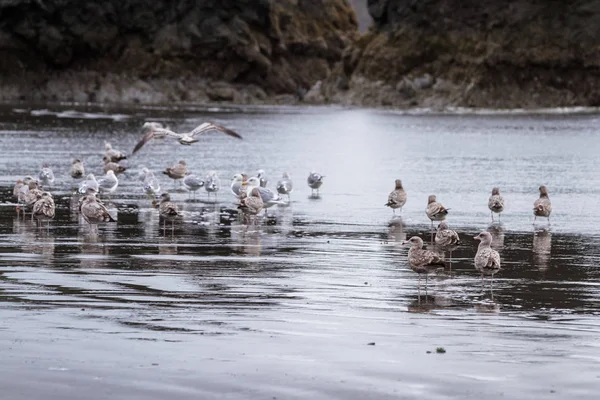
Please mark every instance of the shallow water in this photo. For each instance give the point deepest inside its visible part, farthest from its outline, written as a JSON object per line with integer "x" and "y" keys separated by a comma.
{"x": 291, "y": 308}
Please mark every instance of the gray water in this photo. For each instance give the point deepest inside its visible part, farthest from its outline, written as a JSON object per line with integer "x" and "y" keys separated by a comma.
{"x": 316, "y": 301}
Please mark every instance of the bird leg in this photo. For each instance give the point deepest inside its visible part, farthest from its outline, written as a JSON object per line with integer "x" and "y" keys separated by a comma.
{"x": 491, "y": 212}
{"x": 419, "y": 287}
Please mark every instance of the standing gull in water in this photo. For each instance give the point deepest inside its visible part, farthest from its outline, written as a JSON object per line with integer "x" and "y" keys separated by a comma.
{"x": 285, "y": 185}
{"x": 177, "y": 171}
{"x": 268, "y": 197}
{"x": 315, "y": 181}
{"x": 487, "y": 260}
{"x": 109, "y": 183}
{"x": 212, "y": 183}
{"x": 236, "y": 184}
{"x": 397, "y": 197}
{"x": 252, "y": 204}
{"x": 151, "y": 185}
{"x": 435, "y": 211}
{"x": 89, "y": 183}
{"x": 260, "y": 174}
{"x": 446, "y": 237}
{"x": 32, "y": 195}
{"x": 44, "y": 208}
{"x": 496, "y": 203}
{"x": 167, "y": 210}
{"x": 77, "y": 169}
{"x": 46, "y": 176}
{"x": 93, "y": 211}
{"x": 17, "y": 188}
{"x": 423, "y": 261}
{"x": 116, "y": 167}
{"x": 192, "y": 183}
{"x": 151, "y": 131}
{"x": 542, "y": 207}
{"x": 112, "y": 154}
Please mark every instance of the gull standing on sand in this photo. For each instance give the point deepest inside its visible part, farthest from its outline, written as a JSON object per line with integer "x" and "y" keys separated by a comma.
{"x": 542, "y": 207}
{"x": 252, "y": 204}
{"x": 212, "y": 183}
{"x": 44, "y": 208}
{"x": 496, "y": 203}
{"x": 90, "y": 182}
{"x": 285, "y": 185}
{"x": 93, "y": 211}
{"x": 435, "y": 211}
{"x": 423, "y": 261}
{"x": 487, "y": 260}
{"x": 108, "y": 183}
{"x": 77, "y": 169}
{"x": 167, "y": 210}
{"x": 397, "y": 197}
{"x": 176, "y": 171}
{"x": 315, "y": 181}
{"x": 151, "y": 131}
{"x": 112, "y": 154}
{"x": 46, "y": 176}
{"x": 192, "y": 183}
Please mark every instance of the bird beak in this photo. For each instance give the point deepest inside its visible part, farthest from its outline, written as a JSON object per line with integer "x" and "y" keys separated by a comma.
{"x": 476, "y": 237}
{"x": 405, "y": 243}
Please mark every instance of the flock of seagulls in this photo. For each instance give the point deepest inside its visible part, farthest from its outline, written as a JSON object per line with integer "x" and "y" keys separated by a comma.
{"x": 252, "y": 194}
{"x": 486, "y": 260}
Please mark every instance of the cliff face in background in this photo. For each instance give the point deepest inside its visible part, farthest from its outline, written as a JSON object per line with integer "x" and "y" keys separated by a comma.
{"x": 474, "y": 53}
{"x": 169, "y": 50}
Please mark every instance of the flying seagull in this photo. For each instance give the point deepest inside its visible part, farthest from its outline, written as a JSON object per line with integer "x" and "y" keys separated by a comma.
{"x": 153, "y": 130}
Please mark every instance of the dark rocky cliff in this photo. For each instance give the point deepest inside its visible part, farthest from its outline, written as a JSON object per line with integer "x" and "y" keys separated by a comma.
{"x": 474, "y": 53}
{"x": 168, "y": 50}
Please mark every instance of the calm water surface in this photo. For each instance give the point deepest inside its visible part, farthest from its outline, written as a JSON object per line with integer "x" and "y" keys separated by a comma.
{"x": 318, "y": 300}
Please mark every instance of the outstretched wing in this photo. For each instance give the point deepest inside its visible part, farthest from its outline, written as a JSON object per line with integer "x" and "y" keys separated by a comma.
{"x": 154, "y": 132}
{"x": 209, "y": 126}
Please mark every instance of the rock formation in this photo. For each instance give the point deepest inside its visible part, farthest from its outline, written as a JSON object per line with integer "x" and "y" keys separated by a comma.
{"x": 159, "y": 51}
{"x": 473, "y": 53}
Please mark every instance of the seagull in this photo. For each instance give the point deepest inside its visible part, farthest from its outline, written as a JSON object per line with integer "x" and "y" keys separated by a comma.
{"x": 315, "y": 181}
{"x": 141, "y": 176}
{"x": 177, "y": 171}
{"x": 496, "y": 203}
{"x": 260, "y": 174}
{"x": 423, "y": 261}
{"x": 435, "y": 211}
{"x": 268, "y": 197}
{"x": 542, "y": 207}
{"x": 23, "y": 189}
{"x": 151, "y": 185}
{"x": 32, "y": 195}
{"x": 116, "y": 167}
{"x": 46, "y": 176}
{"x": 17, "y": 188}
{"x": 108, "y": 184}
{"x": 397, "y": 197}
{"x": 285, "y": 185}
{"x": 252, "y": 204}
{"x": 77, "y": 169}
{"x": 93, "y": 211}
{"x": 487, "y": 260}
{"x": 167, "y": 210}
{"x": 192, "y": 183}
{"x": 112, "y": 154}
{"x": 446, "y": 237}
{"x": 152, "y": 130}
{"x": 44, "y": 208}
{"x": 89, "y": 183}
{"x": 212, "y": 183}
{"x": 236, "y": 184}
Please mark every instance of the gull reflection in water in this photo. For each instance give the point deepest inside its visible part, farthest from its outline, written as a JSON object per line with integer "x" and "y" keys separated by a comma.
{"x": 397, "y": 230}
{"x": 542, "y": 243}
{"x": 497, "y": 232}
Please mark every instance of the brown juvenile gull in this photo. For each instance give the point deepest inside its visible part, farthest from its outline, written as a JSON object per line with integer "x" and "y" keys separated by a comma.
{"x": 496, "y": 203}
{"x": 17, "y": 188}
{"x": 435, "y": 211}
{"x": 446, "y": 237}
{"x": 252, "y": 204}
{"x": 167, "y": 210}
{"x": 423, "y": 261}
{"x": 77, "y": 169}
{"x": 32, "y": 195}
{"x": 542, "y": 207}
{"x": 44, "y": 208}
{"x": 116, "y": 167}
{"x": 177, "y": 171}
{"x": 152, "y": 130}
{"x": 487, "y": 260}
{"x": 397, "y": 197}
{"x": 93, "y": 211}
{"x": 112, "y": 154}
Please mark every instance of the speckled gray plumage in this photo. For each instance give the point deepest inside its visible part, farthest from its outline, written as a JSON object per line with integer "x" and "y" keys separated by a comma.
{"x": 435, "y": 211}
{"x": 487, "y": 260}
{"x": 423, "y": 261}
{"x": 44, "y": 208}
{"x": 446, "y": 237}
{"x": 397, "y": 198}
{"x": 496, "y": 201}
{"x": 542, "y": 207}
{"x": 177, "y": 171}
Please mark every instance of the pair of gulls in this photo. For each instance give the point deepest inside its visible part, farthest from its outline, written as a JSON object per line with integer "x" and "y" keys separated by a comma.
{"x": 253, "y": 194}
{"x": 31, "y": 198}
{"x": 435, "y": 211}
